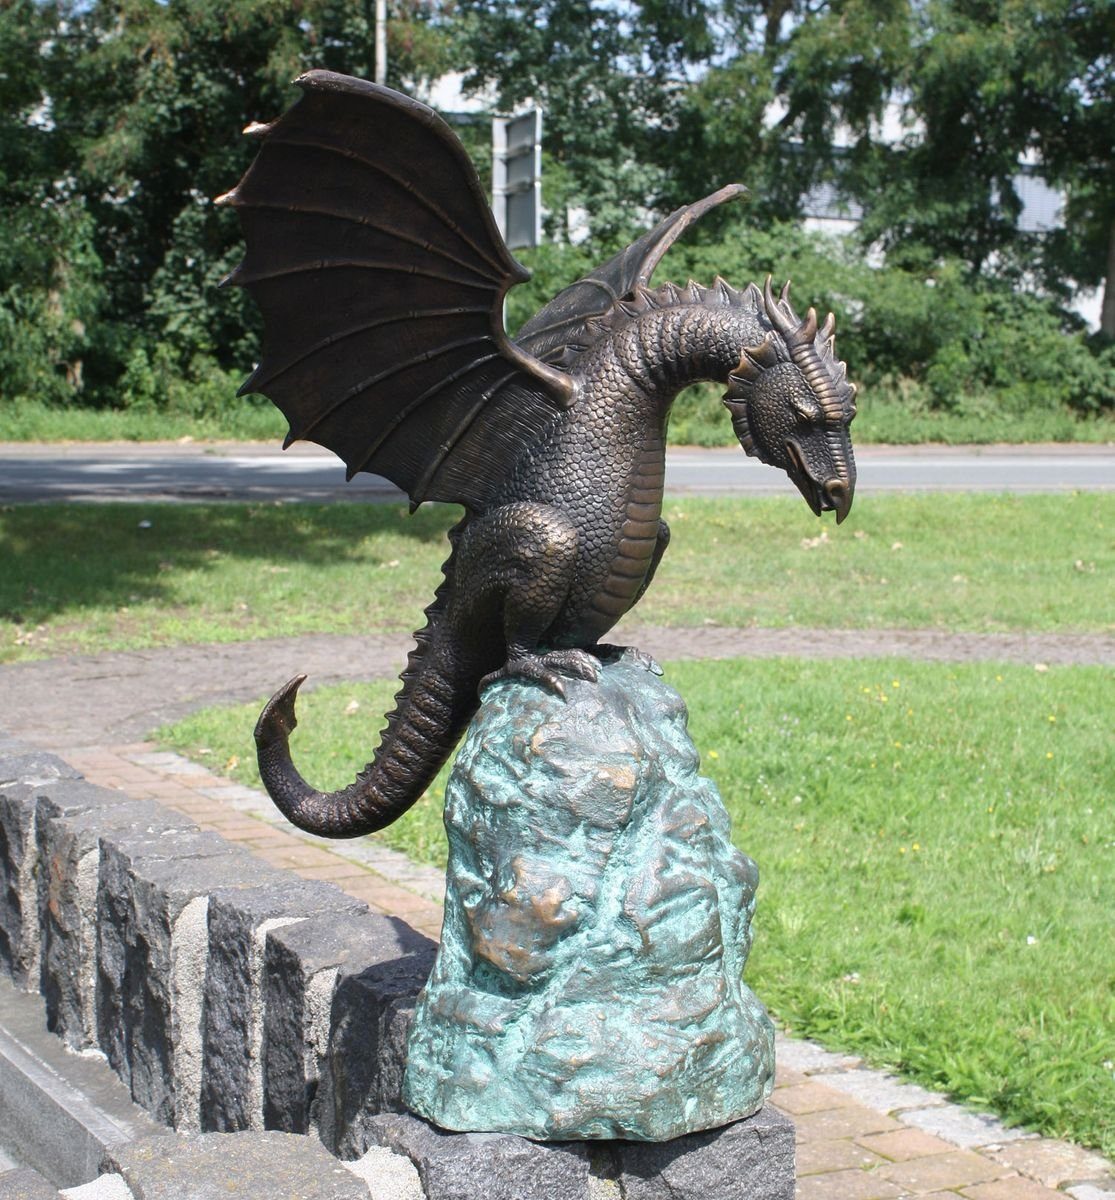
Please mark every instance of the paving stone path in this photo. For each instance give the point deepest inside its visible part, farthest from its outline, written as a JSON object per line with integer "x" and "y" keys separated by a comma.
{"x": 862, "y": 1134}
{"x": 120, "y": 697}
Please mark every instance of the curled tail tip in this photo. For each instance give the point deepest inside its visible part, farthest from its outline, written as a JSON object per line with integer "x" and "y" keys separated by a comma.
{"x": 277, "y": 720}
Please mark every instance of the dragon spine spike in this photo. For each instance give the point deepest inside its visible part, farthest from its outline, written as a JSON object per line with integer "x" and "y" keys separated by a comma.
{"x": 645, "y": 297}
{"x": 746, "y": 373}
{"x": 258, "y": 129}
{"x": 642, "y": 300}
{"x": 724, "y": 290}
{"x": 828, "y": 329}
{"x": 779, "y": 312}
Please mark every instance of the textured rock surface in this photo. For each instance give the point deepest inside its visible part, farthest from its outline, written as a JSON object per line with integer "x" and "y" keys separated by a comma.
{"x": 304, "y": 963}
{"x": 495, "y": 1166}
{"x": 597, "y": 923}
{"x": 71, "y": 818}
{"x": 20, "y": 773}
{"x": 25, "y": 1184}
{"x": 239, "y": 920}
{"x": 752, "y": 1159}
{"x": 19, "y": 914}
{"x": 152, "y": 947}
{"x": 217, "y": 1166}
{"x": 369, "y": 1020}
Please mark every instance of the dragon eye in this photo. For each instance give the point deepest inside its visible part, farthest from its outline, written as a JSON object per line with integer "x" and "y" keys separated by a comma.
{"x": 806, "y": 408}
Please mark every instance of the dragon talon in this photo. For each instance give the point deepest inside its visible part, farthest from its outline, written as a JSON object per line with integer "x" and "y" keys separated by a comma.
{"x": 544, "y": 669}
{"x": 578, "y": 663}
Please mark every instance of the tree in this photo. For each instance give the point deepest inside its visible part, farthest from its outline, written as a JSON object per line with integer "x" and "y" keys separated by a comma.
{"x": 610, "y": 78}
{"x": 149, "y": 99}
{"x": 988, "y": 86}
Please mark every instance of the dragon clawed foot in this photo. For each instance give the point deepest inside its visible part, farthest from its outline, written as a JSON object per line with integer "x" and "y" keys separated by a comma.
{"x": 277, "y": 721}
{"x": 547, "y": 669}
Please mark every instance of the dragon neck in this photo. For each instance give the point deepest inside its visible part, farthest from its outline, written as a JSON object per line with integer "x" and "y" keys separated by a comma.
{"x": 670, "y": 338}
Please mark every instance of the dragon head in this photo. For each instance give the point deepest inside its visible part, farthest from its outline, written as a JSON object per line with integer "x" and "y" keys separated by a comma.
{"x": 791, "y": 405}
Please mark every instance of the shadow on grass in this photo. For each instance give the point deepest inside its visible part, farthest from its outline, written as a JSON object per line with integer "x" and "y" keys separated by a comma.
{"x": 65, "y": 558}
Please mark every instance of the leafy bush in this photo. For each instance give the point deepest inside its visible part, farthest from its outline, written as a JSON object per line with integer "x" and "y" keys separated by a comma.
{"x": 923, "y": 343}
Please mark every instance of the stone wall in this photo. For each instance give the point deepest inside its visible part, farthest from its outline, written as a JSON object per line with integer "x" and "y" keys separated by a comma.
{"x": 227, "y": 995}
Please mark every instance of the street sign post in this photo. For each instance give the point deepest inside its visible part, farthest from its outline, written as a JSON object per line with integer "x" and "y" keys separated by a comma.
{"x": 517, "y": 177}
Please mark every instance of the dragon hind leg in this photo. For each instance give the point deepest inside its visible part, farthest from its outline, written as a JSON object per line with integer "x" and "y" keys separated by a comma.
{"x": 514, "y": 569}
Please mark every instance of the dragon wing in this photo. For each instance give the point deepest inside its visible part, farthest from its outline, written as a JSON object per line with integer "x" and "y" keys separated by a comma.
{"x": 374, "y": 258}
{"x": 558, "y": 333}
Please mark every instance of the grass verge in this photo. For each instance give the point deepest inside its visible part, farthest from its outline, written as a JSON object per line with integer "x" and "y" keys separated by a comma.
{"x": 89, "y": 578}
{"x": 935, "y": 851}
{"x": 698, "y": 420}
{"x": 241, "y": 420}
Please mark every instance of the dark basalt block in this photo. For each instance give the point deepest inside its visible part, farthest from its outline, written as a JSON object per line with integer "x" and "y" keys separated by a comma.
{"x": 239, "y": 921}
{"x": 752, "y": 1159}
{"x": 72, "y": 816}
{"x": 497, "y": 1166}
{"x": 152, "y": 952}
{"x": 370, "y": 1017}
{"x": 304, "y": 963}
{"x": 20, "y": 774}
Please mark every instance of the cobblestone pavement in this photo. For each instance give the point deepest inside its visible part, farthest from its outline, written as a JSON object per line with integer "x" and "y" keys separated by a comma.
{"x": 862, "y": 1134}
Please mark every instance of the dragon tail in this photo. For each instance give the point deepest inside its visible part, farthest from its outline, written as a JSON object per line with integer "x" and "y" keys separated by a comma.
{"x": 432, "y": 709}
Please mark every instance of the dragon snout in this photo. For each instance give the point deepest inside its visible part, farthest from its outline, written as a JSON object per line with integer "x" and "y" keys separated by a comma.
{"x": 837, "y": 494}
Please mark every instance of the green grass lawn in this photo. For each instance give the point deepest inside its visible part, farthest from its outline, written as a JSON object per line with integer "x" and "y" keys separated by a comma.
{"x": 698, "y": 419}
{"x": 242, "y": 420}
{"x": 935, "y": 849}
{"x": 116, "y": 576}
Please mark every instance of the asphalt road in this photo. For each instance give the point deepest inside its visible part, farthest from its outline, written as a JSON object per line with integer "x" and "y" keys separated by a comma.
{"x": 237, "y": 471}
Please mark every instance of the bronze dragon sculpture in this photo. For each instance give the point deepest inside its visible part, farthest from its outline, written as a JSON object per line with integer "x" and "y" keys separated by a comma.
{"x": 381, "y": 276}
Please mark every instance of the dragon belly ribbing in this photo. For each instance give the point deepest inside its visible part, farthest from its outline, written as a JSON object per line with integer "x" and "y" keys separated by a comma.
{"x": 634, "y": 548}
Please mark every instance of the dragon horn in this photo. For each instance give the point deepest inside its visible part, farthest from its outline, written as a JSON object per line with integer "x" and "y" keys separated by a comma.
{"x": 784, "y": 319}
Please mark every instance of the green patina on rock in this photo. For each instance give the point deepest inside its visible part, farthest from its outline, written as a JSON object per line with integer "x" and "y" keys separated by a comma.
{"x": 597, "y": 922}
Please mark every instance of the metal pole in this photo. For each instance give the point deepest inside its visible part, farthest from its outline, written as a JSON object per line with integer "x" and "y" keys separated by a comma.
{"x": 381, "y": 41}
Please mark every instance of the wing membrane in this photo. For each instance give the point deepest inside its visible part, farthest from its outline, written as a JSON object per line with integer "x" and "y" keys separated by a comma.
{"x": 374, "y": 258}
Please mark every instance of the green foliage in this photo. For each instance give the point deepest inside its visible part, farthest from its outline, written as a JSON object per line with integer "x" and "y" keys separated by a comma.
{"x": 932, "y": 848}
{"x": 119, "y": 122}
{"x": 989, "y": 361}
